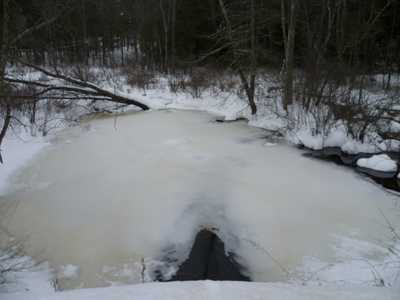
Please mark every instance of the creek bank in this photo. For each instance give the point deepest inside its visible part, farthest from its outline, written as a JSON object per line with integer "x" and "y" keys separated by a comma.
{"x": 388, "y": 179}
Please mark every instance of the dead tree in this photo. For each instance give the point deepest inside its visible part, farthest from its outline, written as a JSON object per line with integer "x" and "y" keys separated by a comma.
{"x": 234, "y": 44}
{"x": 65, "y": 86}
{"x": 173, "y": 36}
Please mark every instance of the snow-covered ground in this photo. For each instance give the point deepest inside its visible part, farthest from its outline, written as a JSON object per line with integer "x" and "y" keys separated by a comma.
{"x": 17, "y": 150}
{"x": 216, "y": 291}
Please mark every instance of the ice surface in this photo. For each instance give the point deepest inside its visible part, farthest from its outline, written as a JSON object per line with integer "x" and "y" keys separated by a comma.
{"x": 106, "y": 196}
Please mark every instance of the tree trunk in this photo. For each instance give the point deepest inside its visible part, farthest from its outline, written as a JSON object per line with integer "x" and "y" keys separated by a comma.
{"x": 253, "y": 67}
{"x": 249, "y": 85}
{"x": 85, "y": 48}
{"x": 4, "y": 43}
{"x": 166, "y": 35}
{"x": 6, "y": 124}
{"x": 249, "y": 89}
{"x": 173, "y": 36}
{"x": 33, "y": 112}
{"x": 289, "y": 36}
{"x": 3, "y": 62}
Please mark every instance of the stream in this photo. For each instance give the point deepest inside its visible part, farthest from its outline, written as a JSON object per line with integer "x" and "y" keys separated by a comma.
{"x": 116, "y": 193}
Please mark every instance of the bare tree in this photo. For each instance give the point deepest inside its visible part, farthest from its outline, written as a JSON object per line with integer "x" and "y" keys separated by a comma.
{"x": 9, "y": 42}
{"x": 166, "y": 24}
{"x": 3, "y": 62}
{"x": 234, "y": 41}
{"x": 173, "y": 35}
{"x": 289, "y": 35}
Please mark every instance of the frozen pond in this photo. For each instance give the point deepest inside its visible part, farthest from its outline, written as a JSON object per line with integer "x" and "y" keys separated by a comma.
{"x": 113, "y": 193}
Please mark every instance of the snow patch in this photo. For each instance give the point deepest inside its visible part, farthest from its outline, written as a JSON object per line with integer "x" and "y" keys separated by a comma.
{"x": 68, "y": 272}
{"x": 380, "y": 269}
{"x": 354, "y": 147}
{"x": 31, "y": 280}
{"x": 337, "y": 137}
{"x": 381, "y": 163}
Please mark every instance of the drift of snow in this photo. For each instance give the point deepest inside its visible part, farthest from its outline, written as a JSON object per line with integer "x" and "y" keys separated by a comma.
{"x": 33, "y": 279}
{"x": 380, "y": 162}
{"x": 337, "y": 137}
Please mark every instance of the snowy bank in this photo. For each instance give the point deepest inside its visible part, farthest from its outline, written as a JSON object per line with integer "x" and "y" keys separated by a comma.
{"x": 215, "y": 290}
{"x": 17, "y": 151}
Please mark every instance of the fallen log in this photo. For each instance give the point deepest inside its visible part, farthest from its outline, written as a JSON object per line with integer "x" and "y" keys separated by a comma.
{"x": 66, "y": 85}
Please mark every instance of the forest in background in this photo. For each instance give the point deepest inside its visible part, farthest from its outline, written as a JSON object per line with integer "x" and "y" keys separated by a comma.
{"x": 164, "y": 34}
{"x": 325, "y": 52}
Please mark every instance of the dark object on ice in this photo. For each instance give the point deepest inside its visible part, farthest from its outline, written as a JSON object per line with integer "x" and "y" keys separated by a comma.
{"x": 223, "y": 120}
{"x": 209, "y": 260}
